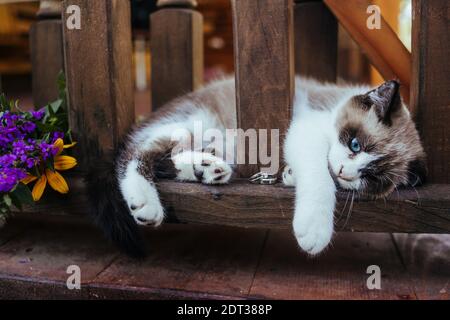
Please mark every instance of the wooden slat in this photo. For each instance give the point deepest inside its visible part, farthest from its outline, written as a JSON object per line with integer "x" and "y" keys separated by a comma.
{"x": 256, "y": 206}
{"x": 426, "y": 260}
{"x": 47, "y": 60}
{"x": 177, "y": 53}
{"x": 382, "y": 46}
{"x": 216, "y": 266}
{"x": 431, "y": 83}
{"x": 338, "y": 273}
{"x": 316, "y": 31}
{"x": 263, "y": 44}
{"x": 99, "y": 76}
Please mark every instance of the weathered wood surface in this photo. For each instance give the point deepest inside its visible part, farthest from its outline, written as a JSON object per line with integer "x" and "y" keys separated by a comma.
{"x": 217, "y": 265}
{"x": 264, "y": 45}
{"x": 316, "y": 31}
{"x": 245, "y": 205}
{"x": 382, "y": 46}
{"x": 175, "y": 3}
{"x": 431, "y": 83}
{"x": 47, "y": 59}
{"x": 337, "y": 273}
{"x": 177, "y": 53}
{"x": 204, "y": 262}
{"x": 99, "y": 76}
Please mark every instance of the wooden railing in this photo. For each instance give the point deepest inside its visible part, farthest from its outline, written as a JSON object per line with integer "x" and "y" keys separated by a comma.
{"x": 100, "y": 85}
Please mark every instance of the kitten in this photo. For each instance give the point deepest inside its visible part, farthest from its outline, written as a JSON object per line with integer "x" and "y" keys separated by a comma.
{"x": 353, "y": 137}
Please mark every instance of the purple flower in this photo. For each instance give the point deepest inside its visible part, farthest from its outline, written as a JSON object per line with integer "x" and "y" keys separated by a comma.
{"x": 38, "y": 115}
{"x": 10, "y": 177}
{"x": 47, "y": 150}
{"x": 7, "y": 160}
{"x": 57, "y": 135}
{"x": 29, "y": 127}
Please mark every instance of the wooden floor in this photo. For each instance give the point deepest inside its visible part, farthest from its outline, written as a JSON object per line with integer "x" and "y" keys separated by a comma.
{"x": 207, "y": 262}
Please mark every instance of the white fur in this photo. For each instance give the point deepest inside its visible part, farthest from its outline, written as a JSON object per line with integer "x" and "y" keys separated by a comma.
{"x": 306, "y": 152}
{"x": 214, "y": 169}
{"x": 311, "y": 147}
{"x": 288, "y": 177}
{"x": 142, "y": 196}
{"x": 346, "y": 166}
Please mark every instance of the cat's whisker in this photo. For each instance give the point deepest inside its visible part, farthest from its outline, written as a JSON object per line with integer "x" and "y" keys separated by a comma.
{"x": 349, "y": 211}
{"x": 343, "y": 209}
{"x": 411, "y": 185}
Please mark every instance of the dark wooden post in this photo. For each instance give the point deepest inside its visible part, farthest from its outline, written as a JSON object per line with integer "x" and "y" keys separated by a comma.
{"x": 316, "y": 43}
{"x": 99, "y": 70}
{"x": 176, "y": 42}
{"x": 46, "y": 52}
{"x": 264, "y": 64}
{"x": 430, "y": 94}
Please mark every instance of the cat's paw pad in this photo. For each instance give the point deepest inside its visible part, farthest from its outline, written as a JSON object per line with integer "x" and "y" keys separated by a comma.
{"x": 213, "y": 170}
{"x": 288, "y": 177}
{"x": 313, "y": 233}
{"x": 147, "y": 214}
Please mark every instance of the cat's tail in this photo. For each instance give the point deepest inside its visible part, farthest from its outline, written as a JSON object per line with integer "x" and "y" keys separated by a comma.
{"x": 110, "y": 212}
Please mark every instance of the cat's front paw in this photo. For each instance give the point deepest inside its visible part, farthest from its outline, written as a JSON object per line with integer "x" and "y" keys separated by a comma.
{"x": 142, "y": 199}
{"x": 313, "y": 231}
{"x": 288, "y": 177}
{"x": 213, "y": 170}
{"x": 148, "y": 213}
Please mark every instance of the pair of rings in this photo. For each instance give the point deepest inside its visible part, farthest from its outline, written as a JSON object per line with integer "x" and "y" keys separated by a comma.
{"x": 263, "y": 178}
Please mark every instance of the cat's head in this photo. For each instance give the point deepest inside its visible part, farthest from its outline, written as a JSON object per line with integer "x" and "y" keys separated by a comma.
{"x": 377, "y": 146}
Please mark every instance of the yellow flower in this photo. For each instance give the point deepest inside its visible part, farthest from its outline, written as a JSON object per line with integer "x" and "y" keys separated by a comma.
{"x": 54, "y": 178}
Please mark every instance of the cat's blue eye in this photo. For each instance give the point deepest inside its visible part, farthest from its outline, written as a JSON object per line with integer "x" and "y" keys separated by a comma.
{"x": 354, "y": 145}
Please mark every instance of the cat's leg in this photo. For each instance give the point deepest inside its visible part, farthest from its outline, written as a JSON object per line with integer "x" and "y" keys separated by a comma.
{"x": 141, "y": 195}
{"x": 307, "y": 155}
{"x": 201, "y": 167}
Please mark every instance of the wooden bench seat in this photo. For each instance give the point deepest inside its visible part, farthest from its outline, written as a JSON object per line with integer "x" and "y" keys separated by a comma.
{"x": 242, "y": 204}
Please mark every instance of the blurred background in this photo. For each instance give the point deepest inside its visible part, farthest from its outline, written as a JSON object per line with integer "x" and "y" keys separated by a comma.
{"x": 17, "y": 16}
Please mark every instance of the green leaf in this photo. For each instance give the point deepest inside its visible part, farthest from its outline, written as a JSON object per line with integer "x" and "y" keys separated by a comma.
{"x": 16, "y": 202}
{"x": 23, "y": 194}
{"x": 4, "y": 105}
{"x": 56, "y": 105}
{"x": 7, "y": 200}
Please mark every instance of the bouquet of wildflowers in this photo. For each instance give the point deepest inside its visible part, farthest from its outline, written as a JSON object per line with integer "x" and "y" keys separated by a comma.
{"x": 32, "y": 147}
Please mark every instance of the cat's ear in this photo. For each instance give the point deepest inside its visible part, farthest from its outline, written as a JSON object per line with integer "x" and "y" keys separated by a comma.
{"x": 385, "y": 100}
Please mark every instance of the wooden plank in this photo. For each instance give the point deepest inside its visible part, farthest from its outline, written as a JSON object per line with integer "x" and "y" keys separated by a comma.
{"x": 382, "y": 46}
{"x": 338, "y": 273}
{"x": 431, "y": 83}
{"x": 256, "y": 206}
{"x": 45, "y": 251}
{"x": 47, "y": 60}
{"x": 177, "y": 52}
{"x": 316, "y": 32}
{"x": 426, "y": 258}
{"x": 99, "y": 77}
{"x": 263, "y": 44}
{"x": 215, "y": 266}
{"x": 14, "y": 287}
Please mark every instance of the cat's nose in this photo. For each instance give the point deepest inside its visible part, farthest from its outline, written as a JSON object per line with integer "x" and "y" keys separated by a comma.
{"x": 344, "y": 176}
